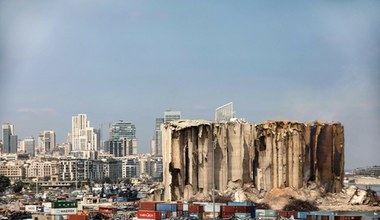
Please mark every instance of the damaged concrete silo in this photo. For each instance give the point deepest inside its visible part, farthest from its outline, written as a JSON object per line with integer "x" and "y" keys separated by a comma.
{"x": 325, "y": 141}
{"x": 188, "y": 149}
{"x": 279, "y": 155}
{"x": 274, "y": 154}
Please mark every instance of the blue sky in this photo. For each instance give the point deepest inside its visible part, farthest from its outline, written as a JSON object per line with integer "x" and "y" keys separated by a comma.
{"x": 132, "y": 60}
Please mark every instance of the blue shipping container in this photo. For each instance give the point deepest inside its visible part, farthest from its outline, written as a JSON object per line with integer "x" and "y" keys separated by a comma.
{"x": 302, "y": 215}
{"x": 166, "y": 207}
{"x": 253, "y": 211}
{"x": 240, "y": 203}
{"x": 321, "y": 213}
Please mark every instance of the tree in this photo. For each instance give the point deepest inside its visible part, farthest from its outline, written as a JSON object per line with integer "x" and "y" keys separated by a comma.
{"x": 4, "y": 183}
{"x": 18, "y": 186}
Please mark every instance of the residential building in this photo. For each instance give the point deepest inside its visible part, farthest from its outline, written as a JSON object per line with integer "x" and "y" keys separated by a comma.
{"x": 112, "y": 168}
{"x": 80, "y": 170}
{"x": 131, "y": 167}
{"x": 82, "y": 136}
{"x": 14, "y": 170}
{"x": 41, "y": 169}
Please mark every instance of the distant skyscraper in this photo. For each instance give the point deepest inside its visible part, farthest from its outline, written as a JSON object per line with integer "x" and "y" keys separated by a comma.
{"x": 171, "y": 116}
{"x": 122, "y": 140}
{"x": 83, "y": 137}
{"x": 153, "y": 146}
{"x": 123, "y": 129}
{"x": 225, "y": 112}
{"x": 9, "y": 139}
{"x": 158, "y": 137}
{"x": 46, "y": 142}
{"x": 29, "y": 145}
{"x": 168, "y": 117}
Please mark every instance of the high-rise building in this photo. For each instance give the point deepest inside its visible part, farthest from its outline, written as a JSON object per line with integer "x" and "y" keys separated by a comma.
{"x": 157, "y": 136}
{"x": 225, "y": 112}
{"x": 82, "y": 136}
{"x": 171, "y": 116}
{"x": 122, "y": 140}
{"x": 29, "y": 145}
{"x": 46, "y": 142}
{"x": 168, "y": 117}
{"x": 122, "y": 129}
{"x": 9, "y": 139}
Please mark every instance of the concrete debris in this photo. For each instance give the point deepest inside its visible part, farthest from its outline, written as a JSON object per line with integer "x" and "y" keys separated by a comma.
{"x": 361, "y": 197}
{"x": 274, "y": 154}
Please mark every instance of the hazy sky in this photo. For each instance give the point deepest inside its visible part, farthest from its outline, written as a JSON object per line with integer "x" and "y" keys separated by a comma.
{"x": 132, "y": 60}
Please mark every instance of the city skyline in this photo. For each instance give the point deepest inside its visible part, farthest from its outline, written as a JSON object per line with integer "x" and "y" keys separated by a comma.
{"x": 133, "y": 60}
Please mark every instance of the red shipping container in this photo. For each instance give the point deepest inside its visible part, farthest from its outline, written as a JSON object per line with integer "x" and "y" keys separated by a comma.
{"x": 107, "y": 210}
{"x": 242, "y": 209}
{"x": 196, "y": 208}
{"x": 148, "y": 214}
{"x": 148, "y": 205}
{"x": 342, "y": 217}
{"x": 227, "y": 214}
{"x": 292, "y": 213}
{"x": 283, "y": 214}
{"x": 226, "y": 208}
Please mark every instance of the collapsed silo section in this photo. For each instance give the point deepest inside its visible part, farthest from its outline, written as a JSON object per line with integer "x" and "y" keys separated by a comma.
{"x": 280, "y": 154}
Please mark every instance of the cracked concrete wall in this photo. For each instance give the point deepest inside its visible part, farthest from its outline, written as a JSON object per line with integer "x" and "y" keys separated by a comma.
{"x": 273, "y": 154}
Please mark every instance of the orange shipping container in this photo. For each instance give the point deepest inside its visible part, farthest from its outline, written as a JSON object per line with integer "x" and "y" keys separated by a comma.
{"x": 77, "y": 217}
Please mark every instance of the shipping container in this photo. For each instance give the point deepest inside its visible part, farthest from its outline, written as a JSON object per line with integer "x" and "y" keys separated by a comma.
{"x": 320, "y": 217}
{"x": 77, "y": 217}
{"x": 210, "y": 207}
{"x": 266, "y": 213}
{"x": 146, "y": 214}
{"x": 196, "y": 208}
{"x": 148, "y": 205}
{"x": 287, "y": 214}
{"x": 240, "y": 203}
{"x": 168, "y": 207}
{"x": 302, "y": 215}
{"x": 242, "y": 209}
{"x": 227, "y": 214}
{"x": 72, "y": 204}
{"x": 210, "y": 215}
{"x": 347, "y": 217}
{"x": 229, "y": 209}
{"x": 253, "y": 211}
{"x": 242, "y": 215}
{"x": 185, "y": 207}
